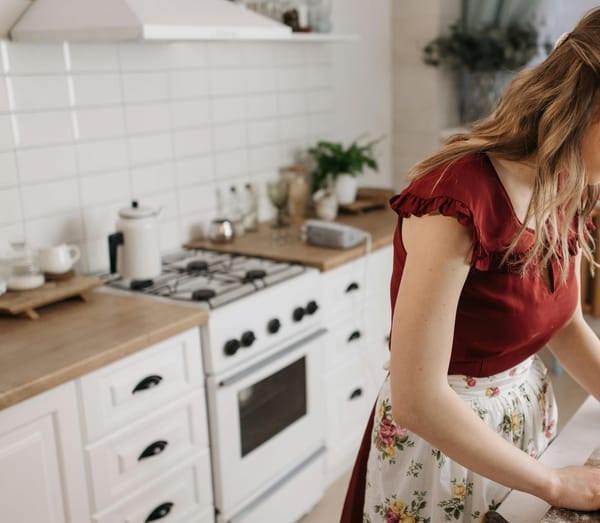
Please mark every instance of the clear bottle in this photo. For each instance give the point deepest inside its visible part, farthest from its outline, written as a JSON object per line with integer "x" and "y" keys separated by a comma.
{"x": 234, "y": 211}
{"x": 250, "y": 208}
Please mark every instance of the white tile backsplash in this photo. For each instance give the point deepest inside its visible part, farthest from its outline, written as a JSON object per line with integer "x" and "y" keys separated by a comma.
{"x": 166, "y": 123}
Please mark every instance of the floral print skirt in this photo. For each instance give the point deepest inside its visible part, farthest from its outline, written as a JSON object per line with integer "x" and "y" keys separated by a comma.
{"x": 410, "y": 481}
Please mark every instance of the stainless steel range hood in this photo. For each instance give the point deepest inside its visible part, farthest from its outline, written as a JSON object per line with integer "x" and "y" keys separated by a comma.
{"x": 111, "y": 20}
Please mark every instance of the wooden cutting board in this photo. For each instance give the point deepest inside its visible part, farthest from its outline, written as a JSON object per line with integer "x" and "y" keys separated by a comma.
{"x": 24, "y": 303}
{"x": 561, "y": 515}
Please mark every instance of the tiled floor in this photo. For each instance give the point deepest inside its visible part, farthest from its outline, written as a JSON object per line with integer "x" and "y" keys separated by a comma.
{"x": 568, "y": 394}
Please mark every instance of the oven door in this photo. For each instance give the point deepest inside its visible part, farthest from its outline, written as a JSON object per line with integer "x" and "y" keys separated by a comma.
{"x": 266, "y": 419}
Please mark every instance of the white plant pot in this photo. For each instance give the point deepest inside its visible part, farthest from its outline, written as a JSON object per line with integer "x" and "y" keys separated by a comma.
{"x": 326, "y": 205}
{"x": 345, "y": 188}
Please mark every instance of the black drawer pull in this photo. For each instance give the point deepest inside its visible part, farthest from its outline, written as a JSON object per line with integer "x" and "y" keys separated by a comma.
{"x": 160, "y": 512}
{"x": 356, "y": 393}
{"x": 354, "y": 336}
{"x": 154, "y": 449}
{"x": 352, "y": 287}
{"x": 147, "y": 383}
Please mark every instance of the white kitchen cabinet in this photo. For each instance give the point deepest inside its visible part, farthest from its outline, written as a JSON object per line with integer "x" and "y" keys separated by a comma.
{"x": 42, "y": 476}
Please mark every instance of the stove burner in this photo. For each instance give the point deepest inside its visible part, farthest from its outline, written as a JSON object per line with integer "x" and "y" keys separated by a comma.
{"x": 254, "y": 274}
{"x": 138, "y": 285}
{"x": 196, "y": 266}
{"x": 203, "y": 294}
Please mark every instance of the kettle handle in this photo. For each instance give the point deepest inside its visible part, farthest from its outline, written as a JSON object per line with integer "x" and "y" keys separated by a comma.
{"x": 114, "y": 240}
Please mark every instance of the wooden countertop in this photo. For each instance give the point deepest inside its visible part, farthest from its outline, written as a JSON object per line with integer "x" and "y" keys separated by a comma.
{"x": 286, "y": 244}
{"x": 73, "y": 338}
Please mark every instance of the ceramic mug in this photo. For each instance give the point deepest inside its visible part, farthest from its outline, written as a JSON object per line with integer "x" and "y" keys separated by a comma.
{"x": 59, "y": 258}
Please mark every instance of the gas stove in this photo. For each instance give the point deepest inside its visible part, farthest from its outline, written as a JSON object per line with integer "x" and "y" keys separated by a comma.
{"x": 212, "y": 278}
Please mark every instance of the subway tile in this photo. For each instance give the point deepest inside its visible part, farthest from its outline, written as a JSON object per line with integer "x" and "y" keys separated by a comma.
{"x": 51, "y": 230}
{"x": 15, "y": 232}
{"x": 260, "y": 80}
{"x": 10, "y": 206}
{"x": 146, "y": 56}
{"x": 291, "y": 54}
{"x": 229, "y": 136}
{"x": 99, "y": 156}
{"x": 105, "y": 188}
{"x": 8, "y": 170}
{"x": 34, "y": 93}
{"x": 6, "y": 133}
{"x": 320, "y": 101}
{"x": 44, "y": 128}
{"x": 4, "y": 105}
{"x": 231, "y": 163}
{"x": 97, "y": 89}
{"x": 190, "y": 113}
{"x": 188, "y": 84}
{"x": 150, "y": 149}
{"x": 192, "y": 142}
{"x": 263, "y": 132}
{"x": 261, "y": 106}
{"x": 188, "y": 55}
{"x": 258, "y": 54}
{"x": 99, "y": 123}
{"x": 147, "y": 118}
{"x": 101, "y": 220}
{"x": 265, "y": 158}
{"x": 224, "y": 82}
{"x": 51, "y": 198}
{"x": 321, "y": 126}
{"x": 195, "y": 226}
{"x": 294, "y": 127}
{"x": 318, "y": 54}
{"x": 197, "y": 198}
{"x": 93, "y": 57}
{"x": 97, "y": 255}
{"x": 165, "y": 202}
{"x": 196, "y": 170}
{"x": 291, "y": 78}
{"x": 46, "y": 163}
{"x": 25, "y": 58}
{"x": 169, "y": 238}
{"x": 152, "y": 179}
{"x": 225, "y": 54}
{"x": 318, "y": 76}
{"x": 231, "y": 109}
{"x": 145, "y": 87}
{"x": 292, "y": 103}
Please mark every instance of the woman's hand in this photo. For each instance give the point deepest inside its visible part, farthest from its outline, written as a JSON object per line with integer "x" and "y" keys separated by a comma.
{"x": 576, "y": 488}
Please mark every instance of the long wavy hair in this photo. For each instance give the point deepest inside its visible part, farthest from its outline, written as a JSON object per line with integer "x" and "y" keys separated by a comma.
{"x": 543, "y": 114}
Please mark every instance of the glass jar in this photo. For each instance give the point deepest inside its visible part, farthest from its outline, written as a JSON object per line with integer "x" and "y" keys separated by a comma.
{"x": 298, "y": 191}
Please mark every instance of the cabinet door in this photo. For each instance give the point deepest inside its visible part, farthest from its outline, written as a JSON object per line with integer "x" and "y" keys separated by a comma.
{"x": 41, "y": 461}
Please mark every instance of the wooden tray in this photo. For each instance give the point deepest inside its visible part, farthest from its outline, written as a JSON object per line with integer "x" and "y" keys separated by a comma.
{"x": 25, "y": 302}
{"x": 368, "y": 198}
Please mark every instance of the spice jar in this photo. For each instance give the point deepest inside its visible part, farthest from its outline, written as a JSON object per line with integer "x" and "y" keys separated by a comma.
{"x": 298, "y": 190}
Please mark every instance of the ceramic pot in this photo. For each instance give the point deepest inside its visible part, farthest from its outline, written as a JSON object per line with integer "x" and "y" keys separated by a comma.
{"x": 346, "y": 187}
{"x": 326, "y": 205}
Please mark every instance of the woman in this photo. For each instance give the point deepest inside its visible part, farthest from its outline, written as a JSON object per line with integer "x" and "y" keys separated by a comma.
{"x": 488, "y": 247}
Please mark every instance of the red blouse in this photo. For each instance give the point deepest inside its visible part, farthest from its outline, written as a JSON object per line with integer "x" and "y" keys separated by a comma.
{"x": 503, "y": 317}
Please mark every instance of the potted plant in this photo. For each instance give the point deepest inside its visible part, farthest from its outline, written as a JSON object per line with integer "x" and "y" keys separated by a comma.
{"x": 339, "y": 165}
{"x": 486, "y": 56}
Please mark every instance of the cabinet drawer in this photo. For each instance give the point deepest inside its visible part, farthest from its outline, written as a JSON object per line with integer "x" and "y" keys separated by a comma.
{"x": 182, "y": 495}
{"x": 127, "y": 460}
{"x": 348, "y": 337}
{"x": 141, "y": 383}
{"x": 343, "y": 287}
{"x": 379, "y": 272}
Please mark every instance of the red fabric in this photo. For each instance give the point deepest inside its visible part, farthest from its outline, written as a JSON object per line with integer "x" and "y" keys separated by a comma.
{"x": 503, "y": 317}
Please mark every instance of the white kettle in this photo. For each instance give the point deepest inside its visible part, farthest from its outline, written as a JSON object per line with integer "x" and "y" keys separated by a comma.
{"x": 134, "y": 249}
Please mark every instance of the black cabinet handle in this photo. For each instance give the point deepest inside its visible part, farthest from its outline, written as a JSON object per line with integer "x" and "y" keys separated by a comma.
{"x": 352, "y": 287}
{"x": 160, "y": 512}
{"x": 354, "y": 336}
{"x": 356, "y": 393}
{"x": 147, "y": 383}
{"x": 154, "y": 449}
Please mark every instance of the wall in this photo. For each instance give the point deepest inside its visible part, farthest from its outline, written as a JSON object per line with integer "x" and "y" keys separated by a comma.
{"x": 86, "y": 128}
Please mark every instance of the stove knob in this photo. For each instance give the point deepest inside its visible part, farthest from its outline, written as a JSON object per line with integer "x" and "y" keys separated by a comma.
{"x": 248, "y": 338}
{"x": 273, "y": 326}
{"x": 231, "y": 347}
{"x": 311, "y": 307}
{"x": 298, "y": 314}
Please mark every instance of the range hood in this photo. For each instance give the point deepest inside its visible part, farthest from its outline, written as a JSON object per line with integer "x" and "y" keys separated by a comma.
{"x": 112, "y": 20}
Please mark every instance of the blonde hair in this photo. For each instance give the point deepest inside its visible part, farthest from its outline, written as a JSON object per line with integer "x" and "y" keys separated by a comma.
{"x": 543, "y": 114}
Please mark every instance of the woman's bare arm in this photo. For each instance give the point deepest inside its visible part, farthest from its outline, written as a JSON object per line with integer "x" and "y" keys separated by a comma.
{"x": 436, "y": 268}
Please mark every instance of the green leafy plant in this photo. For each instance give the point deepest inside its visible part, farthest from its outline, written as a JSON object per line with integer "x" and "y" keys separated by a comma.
{"x": 488, "y": 48}
{"x": 333, "y": 159}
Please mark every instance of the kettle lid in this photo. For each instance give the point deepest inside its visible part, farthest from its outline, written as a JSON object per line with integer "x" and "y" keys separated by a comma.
{"x": 135, "y": 211}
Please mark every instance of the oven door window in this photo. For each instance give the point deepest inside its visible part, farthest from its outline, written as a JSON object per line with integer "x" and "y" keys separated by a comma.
{"x": 269, "y": 406}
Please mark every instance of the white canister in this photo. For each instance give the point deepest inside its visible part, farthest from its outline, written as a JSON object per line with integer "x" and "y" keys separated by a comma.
{"x": 134, "y": 249}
